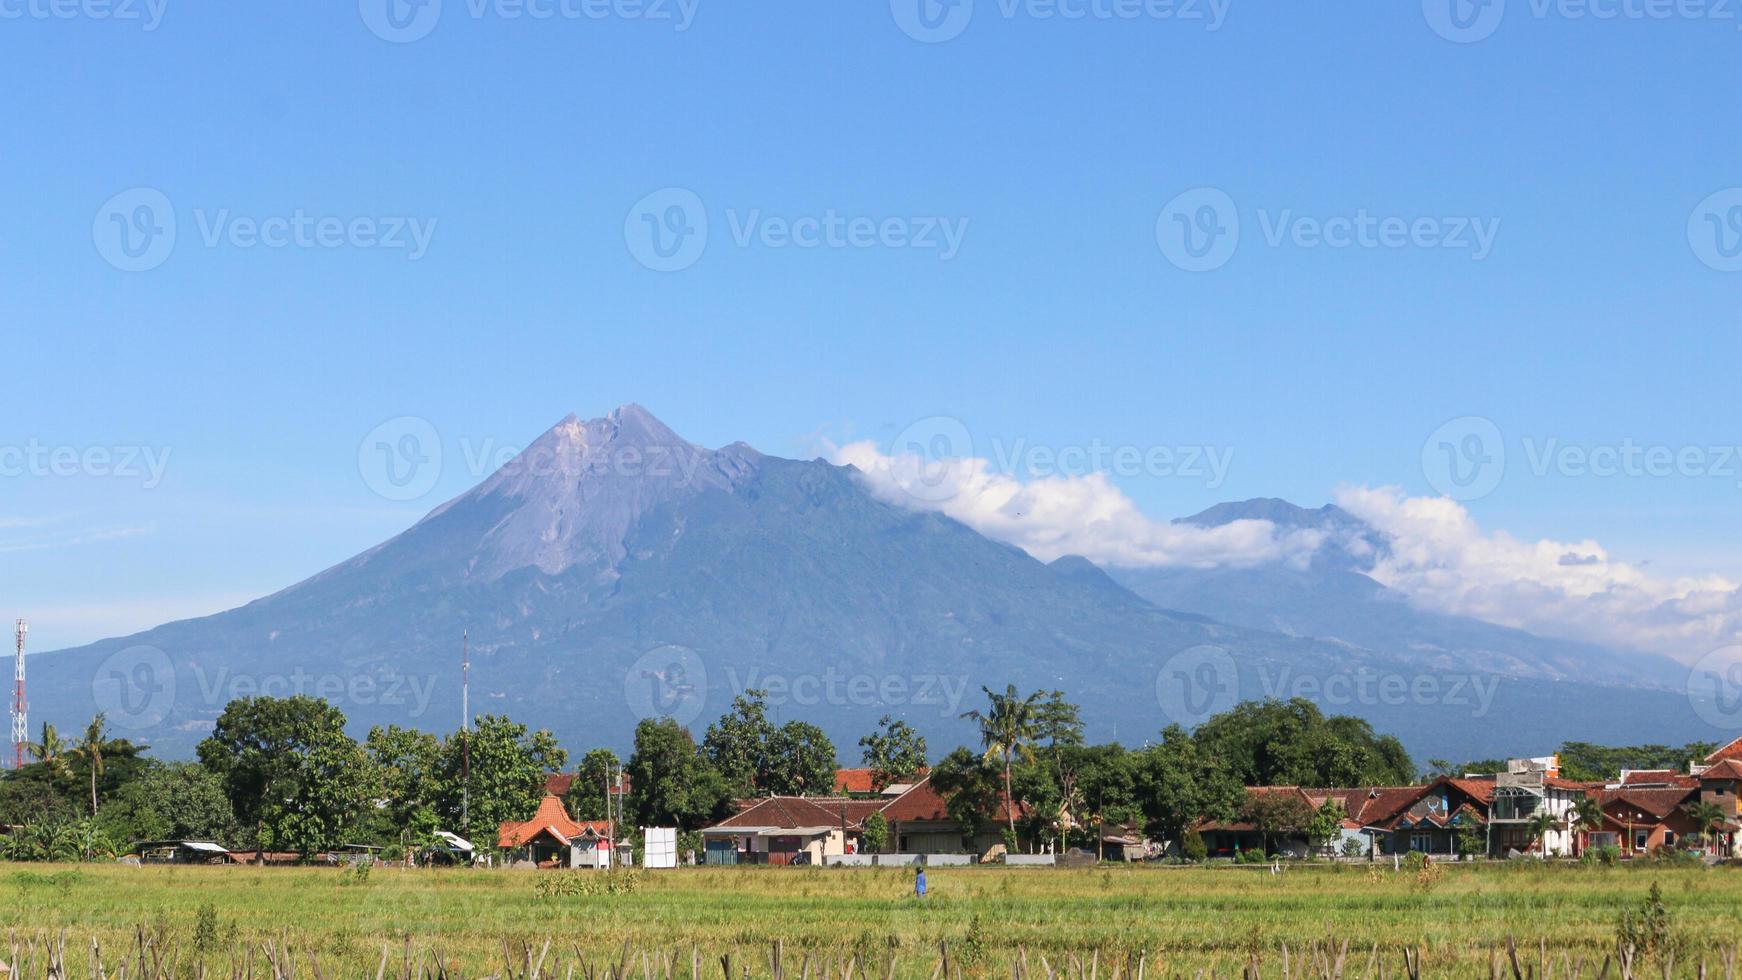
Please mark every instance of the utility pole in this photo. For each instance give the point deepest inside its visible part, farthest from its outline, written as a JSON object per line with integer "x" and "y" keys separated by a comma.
{"x": 20, "y": 707}
{"x": 466, "y": 731}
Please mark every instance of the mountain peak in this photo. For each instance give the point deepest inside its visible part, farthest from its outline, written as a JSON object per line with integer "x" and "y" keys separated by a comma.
{"x": 570, "y": 498}
{"x": 1277, "y": 511}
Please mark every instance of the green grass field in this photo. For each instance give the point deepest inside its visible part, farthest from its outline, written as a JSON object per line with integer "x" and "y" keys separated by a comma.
{"x": 1182, "y": 920}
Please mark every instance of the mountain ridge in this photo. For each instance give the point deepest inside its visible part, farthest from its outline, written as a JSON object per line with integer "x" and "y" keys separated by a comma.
{"x": 611, "y": 541}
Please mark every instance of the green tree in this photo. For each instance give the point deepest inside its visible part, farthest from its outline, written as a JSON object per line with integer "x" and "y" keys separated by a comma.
{"x": 90, "y": 751}
{"x": 672, "y": 781}
{"x": 50, "y": 750}
{"x": 1276, "y": 813}
{"x": 289, "y": 770}
{"x": 970, "y": 786}
{"x": 1708, "y": 820}
{"x": 1178, "y": 784}
{"x": 508, "y": 766}
{"x": 895, "y": 752}
{"x": 876, "y": 833}
{"x": 171, "y": 801}
{"x": 738, "y": 744}
{"x": 1292, "y": 743}
{"x": 1587, "y": 815}
{"x": 800, "y": 761}
{"x": 1326, "y": 824}
{"x": 1007, "y": 731}
{"x": 407, "y": 764}
{"x": 588, "y": 797}
{"x": 1540, "y": 826}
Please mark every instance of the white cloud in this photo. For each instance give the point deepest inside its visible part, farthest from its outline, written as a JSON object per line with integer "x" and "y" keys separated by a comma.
{"x": 1443, "y": 560}
{"x": 1068, "y": 515}
{"x": 1439, "y": 557}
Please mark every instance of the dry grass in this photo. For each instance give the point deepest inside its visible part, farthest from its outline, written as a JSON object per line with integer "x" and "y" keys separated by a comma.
{"x": 1179, "y": 920}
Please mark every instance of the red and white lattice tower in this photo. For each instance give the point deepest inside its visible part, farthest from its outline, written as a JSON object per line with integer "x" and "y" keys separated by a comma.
{"x": 20, "y": 708}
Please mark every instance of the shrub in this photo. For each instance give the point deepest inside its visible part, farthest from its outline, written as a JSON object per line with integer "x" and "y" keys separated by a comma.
{"x": 1645, "y": 928}
{"x": 1252, "y": 857}
{"x": 1192, "y": 847}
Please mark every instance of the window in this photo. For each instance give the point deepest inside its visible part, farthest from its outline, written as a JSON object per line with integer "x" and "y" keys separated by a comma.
{"x": 1420, "y": 841}
{"x": 1639, "y": 840}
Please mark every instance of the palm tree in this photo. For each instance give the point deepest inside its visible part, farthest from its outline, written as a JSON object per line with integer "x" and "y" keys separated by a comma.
{"x": 1587, "y": 815}
{"x": 51, "y": 751}
{"x": 1007, "y": 730}
{"x": 1540, "y": 826}
{"x": 1708, "y": 819}
{"x": 90, "y": 748}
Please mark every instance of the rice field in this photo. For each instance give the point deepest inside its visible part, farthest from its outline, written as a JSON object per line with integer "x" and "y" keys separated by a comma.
{"x": 828, "y": 921}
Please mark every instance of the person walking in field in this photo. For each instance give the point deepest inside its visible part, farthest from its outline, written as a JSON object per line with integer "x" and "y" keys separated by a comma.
{"x": 919, "y": 883}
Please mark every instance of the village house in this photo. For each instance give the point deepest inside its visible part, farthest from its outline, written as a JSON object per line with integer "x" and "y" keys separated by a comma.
{"x": 551, "y": 839}
{"x": 779, "y": 829}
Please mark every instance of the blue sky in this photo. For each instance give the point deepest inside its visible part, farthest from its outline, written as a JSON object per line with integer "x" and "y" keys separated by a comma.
{"x": 524, "y": 146}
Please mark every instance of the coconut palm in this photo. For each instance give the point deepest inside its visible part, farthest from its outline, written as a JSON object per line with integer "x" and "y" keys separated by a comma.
{"x": 1540, "y": 826}
{"x": 1587, "y": 815}
{"x": 1007, "y": 730}
{"x": 1708, "y": 820}
{"x": 90, "y": 748}
{"x": 51, "y": 751}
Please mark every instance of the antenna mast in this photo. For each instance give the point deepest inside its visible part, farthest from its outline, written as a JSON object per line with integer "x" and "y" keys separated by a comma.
{"x": 465, "y": 729}
{"x": 20, "y": 707}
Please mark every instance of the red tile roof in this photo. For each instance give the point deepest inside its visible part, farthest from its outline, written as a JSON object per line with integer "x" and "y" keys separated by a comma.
{"x": 855, "y": 780}
{"x": 784, "y": 811}
{"x": 923, "y": 802}
{"x": 1659, "y": 803}
{"x": 1724, "y": 769}
{"x": 1729, "y": 750}
{"x": 559, "y": 783}
{"x": 551, "y": 816}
